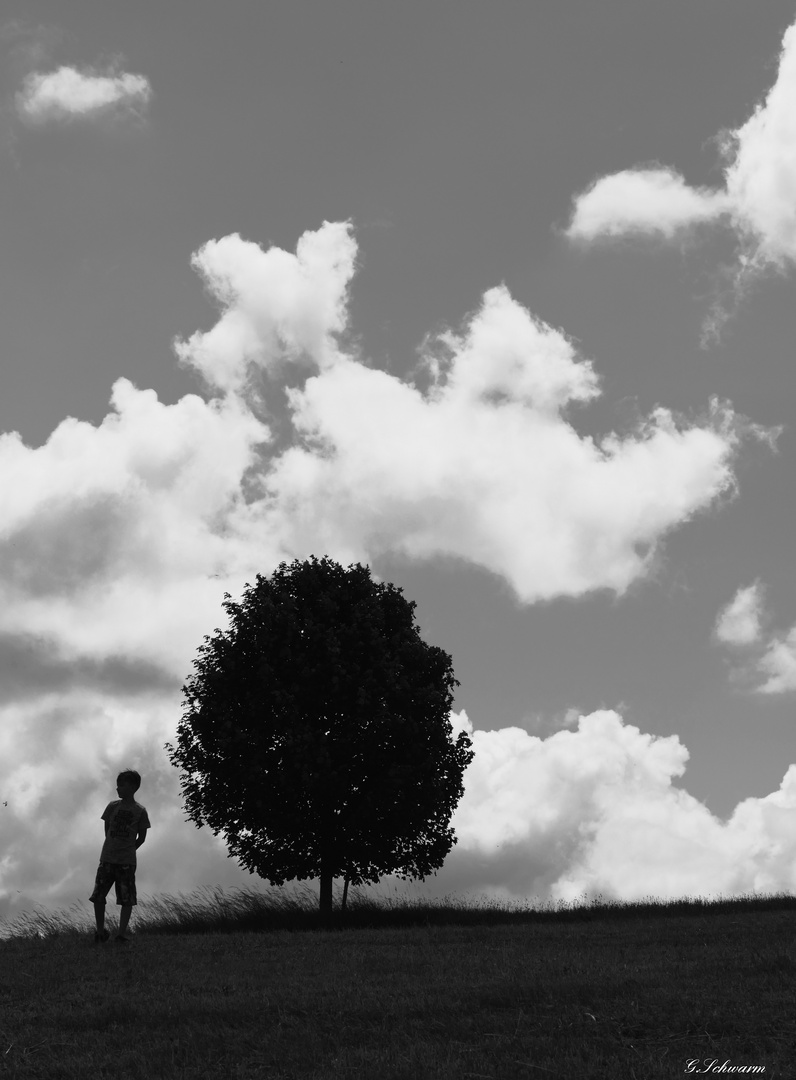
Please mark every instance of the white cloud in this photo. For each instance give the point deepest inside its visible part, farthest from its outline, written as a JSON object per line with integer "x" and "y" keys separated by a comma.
{"x": 485, "y": 465}
{"x": 761, "y": 175}
{"x": 69, "y": 94}
{"x": 110, "y": 534}
{"x": 778, "y": 664}
{"x": 739, "y": 623}
{"x": 758, "y": 199}
{"x": 654, "y": 201}
{"x": 596, "y": 810}
{"x": 117, "y": 541}
{"x": 510, "y": 487}
{"x": 277, "y": 306}
{"x": 770, "y": 657}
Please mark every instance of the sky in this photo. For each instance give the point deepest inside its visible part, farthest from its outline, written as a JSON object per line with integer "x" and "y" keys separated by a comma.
{"x": 496, "y": 299}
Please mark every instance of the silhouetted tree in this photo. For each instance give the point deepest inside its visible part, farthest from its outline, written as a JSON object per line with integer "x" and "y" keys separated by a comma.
{"x": 316, "y": 733}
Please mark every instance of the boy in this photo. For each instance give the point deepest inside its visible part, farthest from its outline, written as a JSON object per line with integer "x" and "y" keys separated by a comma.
{"x": 126, "y": 823}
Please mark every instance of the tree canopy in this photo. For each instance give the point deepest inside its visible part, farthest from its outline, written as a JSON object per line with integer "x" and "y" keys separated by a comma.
{"x": 316, "y": 732}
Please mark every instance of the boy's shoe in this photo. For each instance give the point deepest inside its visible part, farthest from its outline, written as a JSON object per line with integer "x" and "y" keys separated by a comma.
{"x": 101, "y": 935}
{"x": 120, "y": 939}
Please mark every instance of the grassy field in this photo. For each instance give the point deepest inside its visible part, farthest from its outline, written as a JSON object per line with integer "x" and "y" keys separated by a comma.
{"x": 245, "y": 985}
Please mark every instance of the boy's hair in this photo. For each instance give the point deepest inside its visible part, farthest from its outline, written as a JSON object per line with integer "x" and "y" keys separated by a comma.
{"x": 130, "y": 776}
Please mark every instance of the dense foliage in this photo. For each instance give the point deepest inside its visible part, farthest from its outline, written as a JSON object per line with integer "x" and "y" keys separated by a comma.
{"x": 316, "y": 733}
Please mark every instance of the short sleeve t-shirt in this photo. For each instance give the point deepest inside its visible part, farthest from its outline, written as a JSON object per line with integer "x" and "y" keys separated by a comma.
{"x": 125, "y": 821}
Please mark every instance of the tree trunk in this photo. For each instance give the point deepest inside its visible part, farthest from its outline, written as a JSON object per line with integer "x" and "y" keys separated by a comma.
{"x": 345, "y": 894}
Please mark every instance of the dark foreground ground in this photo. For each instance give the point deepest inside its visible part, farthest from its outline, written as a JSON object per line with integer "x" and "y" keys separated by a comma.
{"x": 637, "y": 992}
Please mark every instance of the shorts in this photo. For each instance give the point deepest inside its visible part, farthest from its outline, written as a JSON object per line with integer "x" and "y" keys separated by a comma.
{"x": 119, "y": 874}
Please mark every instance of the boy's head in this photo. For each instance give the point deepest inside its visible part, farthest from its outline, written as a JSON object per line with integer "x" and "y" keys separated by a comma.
{"x": 127, "y": 783}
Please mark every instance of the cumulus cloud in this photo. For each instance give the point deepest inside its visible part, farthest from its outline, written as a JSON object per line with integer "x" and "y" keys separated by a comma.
{"x": 118, "y": 540}
{"x": 758, "y": 199}
{"x": 739, "y": 623}
{"x": 597, "y": 811}
{"x": 770, "y": 657}
{"x": 510, "y": 487}
{"x": 778, "y": 664}
{"x": 484, "y": 464}
{"x": 761, "y": 171}
{"x": 111, "y": 534}
{"x": 656, "y": 201}
{"x": 277, "y": 307}
{"x": 68, "y": 94}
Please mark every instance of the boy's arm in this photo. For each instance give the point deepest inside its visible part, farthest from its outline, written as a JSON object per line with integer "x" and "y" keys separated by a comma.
{"x": 141, "y": 837}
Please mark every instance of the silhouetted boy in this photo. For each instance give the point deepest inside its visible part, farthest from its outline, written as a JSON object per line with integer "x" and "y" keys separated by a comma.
{"x": 126, "y": 823}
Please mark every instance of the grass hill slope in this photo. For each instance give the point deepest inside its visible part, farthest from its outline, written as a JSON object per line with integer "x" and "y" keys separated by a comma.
{"x": 244, "y": 987}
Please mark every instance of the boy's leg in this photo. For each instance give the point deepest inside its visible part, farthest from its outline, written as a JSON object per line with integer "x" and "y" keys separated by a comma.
{"x": 124, "y": 918}
{"x": 125, "y": 895}
{"x": 102, "y": 884}
{"x": 99, "y": 914}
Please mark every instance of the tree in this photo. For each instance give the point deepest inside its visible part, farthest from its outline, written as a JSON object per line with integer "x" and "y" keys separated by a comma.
{"x": 316, "y": 733}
